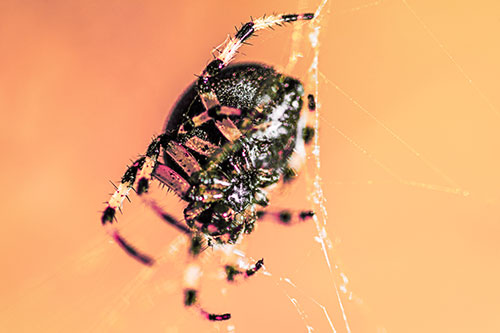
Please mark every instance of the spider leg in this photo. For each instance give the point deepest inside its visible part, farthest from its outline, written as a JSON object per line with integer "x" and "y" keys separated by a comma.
{"x": 311, "y": 103}
{"x": 172, "y": 180}
{"x": 285, "y": 216}
{"x": 142, "y": 172}
{"x": 232, "y": 271}
{"x": 166, "y": 216}
{"x": 131, "y": 250}
{"x": 230, "y": 46}
{"x": 191, "y": 281}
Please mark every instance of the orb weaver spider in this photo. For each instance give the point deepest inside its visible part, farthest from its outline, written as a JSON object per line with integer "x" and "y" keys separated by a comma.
{"x": 229, "y": 137}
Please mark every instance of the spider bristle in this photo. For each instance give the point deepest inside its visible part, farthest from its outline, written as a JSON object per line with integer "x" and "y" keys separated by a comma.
{"x": 113, "y": 184}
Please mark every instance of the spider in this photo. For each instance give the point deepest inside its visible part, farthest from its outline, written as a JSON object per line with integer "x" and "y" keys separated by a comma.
{"x": 229, "y": 137}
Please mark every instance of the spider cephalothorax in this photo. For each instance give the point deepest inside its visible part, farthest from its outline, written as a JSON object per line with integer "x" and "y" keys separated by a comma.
{"x": 229, "y": 137}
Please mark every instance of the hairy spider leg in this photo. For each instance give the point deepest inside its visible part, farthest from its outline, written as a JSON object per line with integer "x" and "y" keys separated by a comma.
{"x": 142, "y": 172}
{"x": 232, "y": 45}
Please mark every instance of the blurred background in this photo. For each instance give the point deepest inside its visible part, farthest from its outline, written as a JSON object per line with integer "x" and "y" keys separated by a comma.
{"x": 409, "y": 113}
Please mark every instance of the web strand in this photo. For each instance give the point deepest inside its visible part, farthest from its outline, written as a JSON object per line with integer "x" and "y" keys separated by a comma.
{"x": 318, "y": 195}
{"x": 466, "y": 76}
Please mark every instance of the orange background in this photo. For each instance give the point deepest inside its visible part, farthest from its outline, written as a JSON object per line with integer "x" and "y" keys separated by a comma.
{"x": 409, "y": 138}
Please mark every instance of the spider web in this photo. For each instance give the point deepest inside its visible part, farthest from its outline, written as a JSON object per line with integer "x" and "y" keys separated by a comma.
{"x": 388, "y": 175}
{"x": 332, "y": 312}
